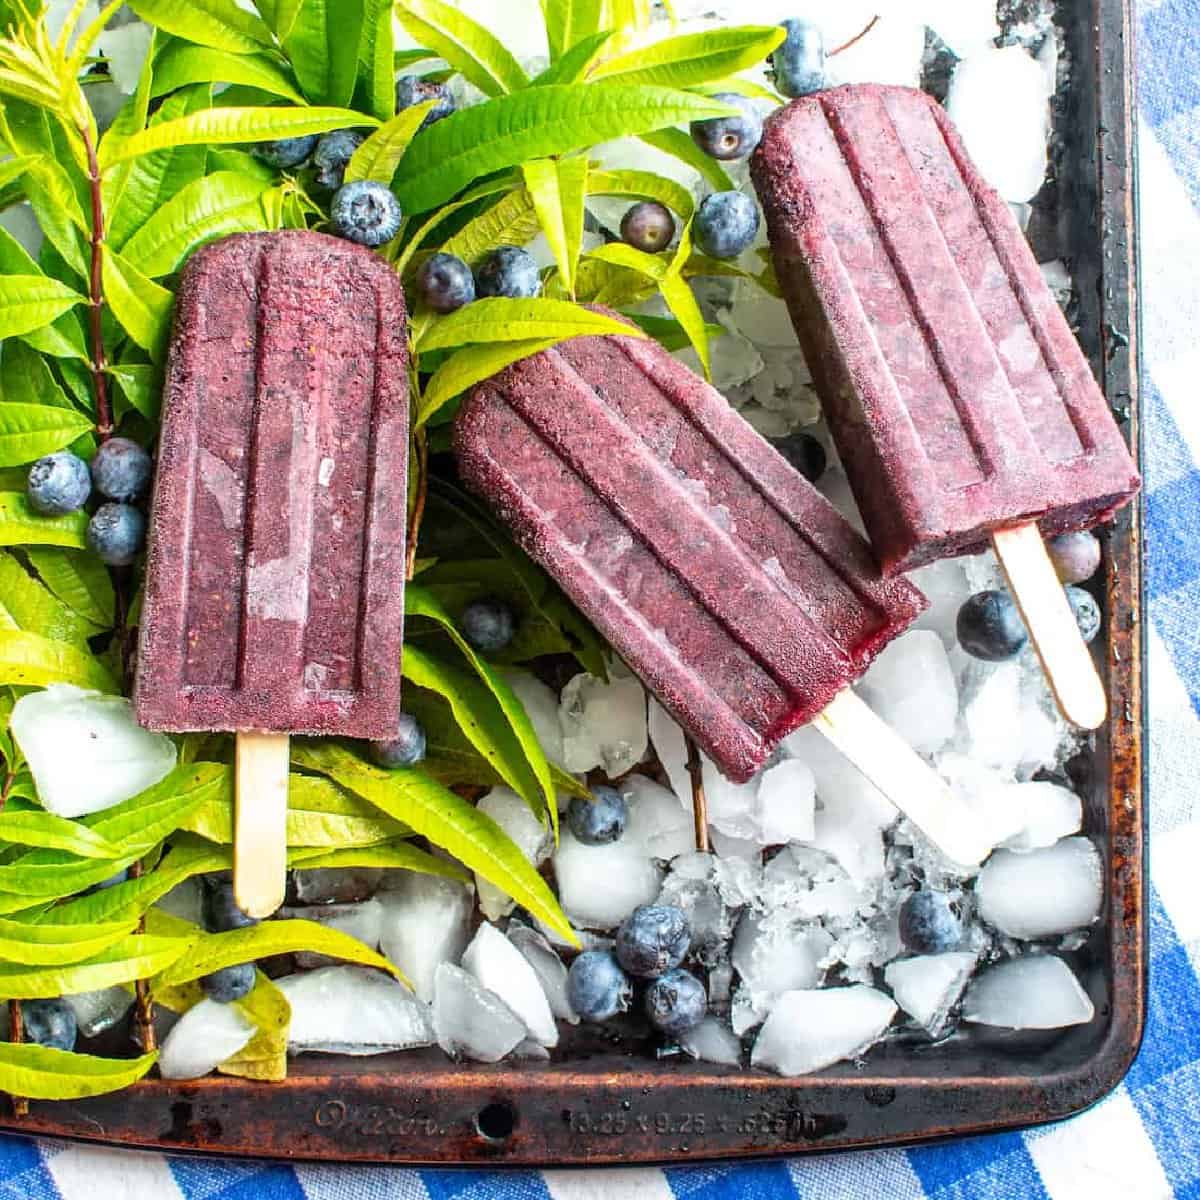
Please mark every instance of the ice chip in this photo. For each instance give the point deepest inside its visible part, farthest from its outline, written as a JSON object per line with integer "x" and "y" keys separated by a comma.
{"x": 599, "y": 886}
{"x": 532, "y": 838}
{"x": 499, "y": 966}
{"x": 470, "y": 1021}
{"x": 207, "y": 1034}
{"x": 97, "y": 1011}
{"x": 1036, "y": 991}
{"x": 808, "y": 1030}
{"x": 1049, "y": 811}
{"x": 990, "y": 729}
{"x": 671, "y": 747}
{"x": 912, "y": 687}
{"x": 773, "y": 955}
{"x": 549, "y": 968}
{"x": 731, "y": 806}
{"x": 424, "y": 923}
{"x": 713, "y": 1041}
{"x": 337, "y": 885}
{"x": 786, "y": 797}
{"x": 1042, "y": 892}
{"x": 185, "y": 900}
{"x": 928, "y": 987}
{"x": 541, "y": 706}
{"x": 603, "y": 724}
{"x": 657, "y": 825}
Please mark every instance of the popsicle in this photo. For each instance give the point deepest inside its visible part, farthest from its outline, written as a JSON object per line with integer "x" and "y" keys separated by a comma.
{"x": 274, "y": 596}
{"x": 742, "y": 599}
{"x": 962, "y": 407}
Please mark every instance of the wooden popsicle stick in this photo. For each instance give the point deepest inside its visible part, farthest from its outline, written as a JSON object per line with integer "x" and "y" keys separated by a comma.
{"x": 260, "y": 822}
{"x": 904, "y": 777}
{"x": 1053, "y": 631}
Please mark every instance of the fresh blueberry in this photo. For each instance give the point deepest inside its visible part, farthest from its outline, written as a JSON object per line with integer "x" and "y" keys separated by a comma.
{"x": 805, "y": 453}
{"x": 221, "y": 911}
{"x": 59, "y": 483}
{"x": 229, "y": 983}
{"x": 445, "y": 283}
{"x": 597, "y": 988}
{"x": 286, "y": 152}
{"x": 332, "y": 156}
{"x": 799, "y": 61}
{"x": 599, "y": 820}
{"x": 653, "y": 939}
{"x": 105, "y": 884}
{"x": 508, "y": 271}
{"x": 121, "y": 469}
{"x": 406, "y": 749}
{"x": 989, "y": 626}
{"x": 726, "y": 224}
{"x": 116, "y": 533}
{"x": 488, "y": 625}
{"x": 49, "y": 1023}
{"x": 365, "y": 212}
{"x": 412, "y": 89}
{"x": 648, "y": 226}
{"x": 931, "y": 923}
{"x": 1076, "y": 556}
{"x": 727, "y": 138}
{"x": 1087, "y": 612}
{"x": 676, "y": 1002}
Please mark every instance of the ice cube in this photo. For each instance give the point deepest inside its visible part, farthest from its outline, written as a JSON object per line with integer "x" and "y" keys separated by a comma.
{"x": 731, "y": 806}
{"x": 671, "y": 747}
{"x": 185, "y": 900}
{"x": 990, "y": 730}
{"x": 603, "y": 724}
{"x": 549, "y": 968}
{"x": 425, "y": 923}
{"x": 708, "y": 918}
{"x": 470, "y": 1021}
{"x": 786, "y": 799}
{"x": 810, "y": 885}
{"x": 945, "y": 586}
{"x": 773, "y": 955}
{"x": 86, "y": 750}
{"x": 541, "y": 706}
{"x": 599, "y": 886}
{"x": 1050, "y": 811}
{"x": 1042, "y": 892}
{"x": 928, "y": 987}
{"x": 740, "y": 849}
{"x": 363, "y": 921}
{"x": 912, "y": 687}
{"x": 713, "y": 1041}
{"x": 657, "y": 825}
{"x": 337, "y": 885}
{"x": 353, "y": 1010}
{"x": 1036, "y": 991}
{"x": 500, "y": 967}
{"x": 97, "y": 1011}
{"x": 532, "y": 838}
{"x": 207, "y": 1034}
{"x": 808, "y": 1030}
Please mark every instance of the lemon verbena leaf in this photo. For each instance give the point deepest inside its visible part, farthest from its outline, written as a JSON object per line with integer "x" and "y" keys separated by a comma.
{"x": 476, "y": 53}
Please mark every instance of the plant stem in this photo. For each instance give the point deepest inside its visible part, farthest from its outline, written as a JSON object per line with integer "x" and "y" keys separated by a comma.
{"x": 143, "y": 1010}
{"x": 104, "y": 420}
{"x": 699, "y": 801}
{"x": 16, "y": 1035}
{"x": 421, "y": 446}
{"x": 858, "y": 37}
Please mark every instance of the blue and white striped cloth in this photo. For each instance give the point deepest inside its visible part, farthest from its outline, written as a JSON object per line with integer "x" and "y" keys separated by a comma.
{"x": 1143, "y": 1142}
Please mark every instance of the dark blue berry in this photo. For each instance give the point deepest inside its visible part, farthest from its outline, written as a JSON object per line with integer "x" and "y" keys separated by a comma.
{"x": 726, "y": 224}
{"x": 601, "y": 819}
{"x": 989, "y": 626}
{"x": 406, "y": 749}
{"x": 50, "y": 1023}
{"x": 412, "y": 90}
{"x": 332, "y": 155}
{"x": 59, "y": 483}
{"x": 105, "y": 884}
{"x": 597, "y": 988}
{"x": 121, "y": 469}
{"x": 488, "y": 625}
{"x": 727, "y": 138}
{"x": 116, "y": 533}
{"x": 221, "y": 911}
{"x": 365, "y": 212}
{"x": 1076, "y": 556}
{"x": 648, "y": 226}
{"x": 653, "y": 939}
{"x": 508, "y": 271}
{"x": 445, "y": 283}
{"x": 799, "y": 61}
{"x": 287, "y": 152}
{"x": 1087, "y": 612}
{"x": 229, "y": 983}
{"x": 676, "y": 1002}
{"x": 931, "y": 923}
{"x": 805, "y": 453}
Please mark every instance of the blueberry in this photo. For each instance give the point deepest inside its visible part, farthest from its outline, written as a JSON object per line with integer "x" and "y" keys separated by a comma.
{"x": 989, "y": 626}
{"x": 1076, "y": 556}
{"x": 286, "y": 152}
{"x": 597, "y": 988}
{"x": 59, "y": 483}
{"x": 1087, "y": 612}
{"x": 229, "y": 983}
{"x": 406, "y": 749}
{"x": 799, "y": 61}
{"x": 221, "y": 911}
{"x": 508, "y": 271}
{"x": 121, "y": 469}
{"x": 365, "y": 212}
{"x": 676, "y": 1002}
{"x": 648, "y": 226}
{"x": 931, "y": 923}
{"x": 805, "y": 453}
{"x": 332, "y": 156}
{"x": 445, "y": 283}
{"x": 600, "y": 820}
{"x": 726, "y": 224}
{"x": 653, "y": 939}
{"x": 49, "y": 1023}
{"x": 727, "y": 138}
{"x": 412, "y": 89}
{"x": 115, "y": 533}
{"x": 488, "y": 625}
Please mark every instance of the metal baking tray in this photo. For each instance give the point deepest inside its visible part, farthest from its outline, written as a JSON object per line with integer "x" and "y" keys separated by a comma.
{"x": 606, "y": 1102}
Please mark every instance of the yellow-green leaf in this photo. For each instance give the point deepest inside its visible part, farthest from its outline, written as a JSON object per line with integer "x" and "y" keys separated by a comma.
{"x": 40, "y": 1073}
{"x": 568, "y": 22}
{"x": 27, "y": 431}
{"x": 32, "y": 661}
{"x": 48, "y": 945}
{"x": 221, "y": 24}
{"x": 573, "y": 67}
{"x": 78, "y": 578}
{"x": 20, "y": 525}
{"x": 27, "y": 302}
{"x": 678, "y": 144}
{"x": 395, "y": 855}
{"x": 182, "y": 63}
{"x": 44, "y": 829}
{"x": 142, "y": 307}
{"x": 511, "y": 221}
{"x": 322, "y": 45}
{"x": 500, "y": 319}
{"x": 692, "y": 58}
{"x": 477, "y": 54}
{"x": 380, "y": 154}
{"x": 471, "y": 365}
{"x": 643, "y": 185}
{"x": 137, "y": 956}
{"x": 265, "y": 1055}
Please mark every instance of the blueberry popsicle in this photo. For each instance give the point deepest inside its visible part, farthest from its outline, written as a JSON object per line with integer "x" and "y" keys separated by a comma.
{"x": 963, "y": 408}
{"x": 275, "y": 577}
{"x": 741, "y": 598}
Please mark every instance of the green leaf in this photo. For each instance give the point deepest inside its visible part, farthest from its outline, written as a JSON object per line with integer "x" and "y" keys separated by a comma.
{"x": 681, "y": 300}
{"x": 472, "y": 365}
{"x": 180, "y": 64}
{"x": 20, "y": 525}
{"x": 28, "y": 431}
{"x": 558, "y": 188}
{"x": 323, "y": 48}
{"x": 34, "y": 661}
{"x": 569, "y": 22}
{"x": 680, "y": 145}
{"x": 41, "y": 1073}
{"x": 141, "y": 822}
{"x": 265, "y": 1055}
{"x": 34, "y": 608}
{"x": 433, "y": 811}
{"x": 221, "y": 24}
{"x": 142, "y": 308}
{"x": 135, "y": 957}
{"x": 55, "y": 833}
{"x": 380, "y": 154}
{"x": 27, "y": 302}
{"x": 64, "y": 337}
{"x": 280, "y": 15}
{"x": 47, "y": 945}
{"x": 511, "y": 221}
{"x": 141, "y": 385}
{"x": 668, "y": 332}
{"x": 395, "y": 855}
{"x": 78, "y": 579}
{"x": 500, "y": 319}
{"x": 574, "y": 66}
{"x": 740, "y": 87}
{"x": 534, "y": 123}
{"x": 643, "y": 185}
{"x": 375, "y": 91}
{"x": 478, "y": 55}
{"x": 693, "y": 58}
